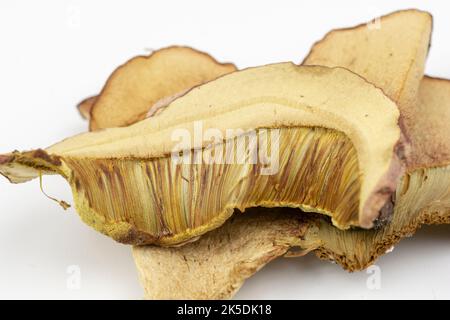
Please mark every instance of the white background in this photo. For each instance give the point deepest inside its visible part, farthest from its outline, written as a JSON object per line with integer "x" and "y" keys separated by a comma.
{"x": 54, "y": 53}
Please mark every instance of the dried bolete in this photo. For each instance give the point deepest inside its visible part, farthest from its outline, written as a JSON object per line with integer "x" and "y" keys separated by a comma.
{"x": 390, "y": 54}
{"x": 423, "y": 196}
{"x": 142, "y": 81}
{"x": 323, "y": 125}
{"x": 217, "y": 264}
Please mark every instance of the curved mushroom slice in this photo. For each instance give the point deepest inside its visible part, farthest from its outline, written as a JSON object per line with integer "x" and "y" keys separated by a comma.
{"x": 215, "y": 266}
{"x": 423, "y": 196}
{"x": 85, "y": 106}
{"x": 142, "y": 81}
{"x": 319, "y": 127}
{"x": 392, "y": 57}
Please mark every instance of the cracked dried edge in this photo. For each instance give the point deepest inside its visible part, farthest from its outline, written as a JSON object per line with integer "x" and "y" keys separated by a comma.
{"x": 393, "y": 58}
{"x": 115, "y": 173}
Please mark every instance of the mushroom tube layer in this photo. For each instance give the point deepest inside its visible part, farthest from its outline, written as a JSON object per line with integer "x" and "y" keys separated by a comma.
{"x": 392, "y": 57}
{"x": 127, "y": 184}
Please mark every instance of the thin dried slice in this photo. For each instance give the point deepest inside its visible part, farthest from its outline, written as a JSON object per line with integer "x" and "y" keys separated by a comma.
{"x": 143, "y": 80}
{"x": 429, "y": 126}
{"x": 425, "y": 112}
{"x": 216, "y": 266}
{"x": 392, "y": 56}
{"x": 85, "y": 107}
{"x": 331, "y": 159}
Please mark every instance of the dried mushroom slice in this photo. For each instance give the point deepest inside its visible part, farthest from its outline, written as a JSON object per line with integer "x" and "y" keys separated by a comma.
{"x": 429, "y": 126}
{"x": 425, "y": 112}
{"x": 215, "y": 266}
{"x": 142, "y": 81}
{"x": 330, "y": 158}
{"x": 423, "y": 196}
{"x": 390, "y": 55}
{"x": 393, "y": 60}
{"x": 85, "y": 107}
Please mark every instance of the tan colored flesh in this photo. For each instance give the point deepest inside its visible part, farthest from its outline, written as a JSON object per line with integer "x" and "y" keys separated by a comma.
{"x": 430, "y": 126}
{"x": 215, "y": 266}
{"x": 99, "y": 165}
{"x": 142, "y": 81}
{"x": 337, "y": 252}
{"x": 321, "y": 174}
{"x": 85, "y": 107}
{"x": 392, "y": 56}
{"x": 423, "y": 198}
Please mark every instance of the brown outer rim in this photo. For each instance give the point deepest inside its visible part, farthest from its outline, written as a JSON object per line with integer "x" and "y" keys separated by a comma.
{"x": 5, "y": 159}
{"x": 403, "y": 147}
{"x": 360, "y": 25}
{"x": 155, "y": 52}
{"x": 387, "y": 184}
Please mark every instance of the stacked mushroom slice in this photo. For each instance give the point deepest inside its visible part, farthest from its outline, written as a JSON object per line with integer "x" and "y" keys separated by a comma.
{"x": 423, "y": 196}
{"x": 355, "y": 137}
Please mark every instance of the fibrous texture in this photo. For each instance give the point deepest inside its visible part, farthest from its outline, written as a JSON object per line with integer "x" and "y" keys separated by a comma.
{"x": 399, "y": 48}
{"x": 144, "y": 80}
{"x": 337, "y": 141}
{"x": 116, "y": 174}
{"x": 422, "y": 197}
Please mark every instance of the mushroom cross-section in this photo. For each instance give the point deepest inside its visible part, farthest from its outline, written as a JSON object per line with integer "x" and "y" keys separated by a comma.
{"x": 333, "y": 140}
